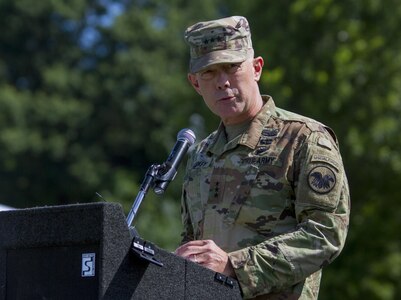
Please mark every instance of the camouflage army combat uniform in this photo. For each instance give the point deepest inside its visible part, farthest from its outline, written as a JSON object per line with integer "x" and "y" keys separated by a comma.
{"x": 275, "y": 198}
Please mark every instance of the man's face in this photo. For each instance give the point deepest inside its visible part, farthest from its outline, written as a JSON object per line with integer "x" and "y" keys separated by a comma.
{"x": 230, "y": 90}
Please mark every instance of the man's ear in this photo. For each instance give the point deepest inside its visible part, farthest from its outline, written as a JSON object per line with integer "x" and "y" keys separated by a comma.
{"x": 194, "y": 82}
{"x": 258, "y": 63}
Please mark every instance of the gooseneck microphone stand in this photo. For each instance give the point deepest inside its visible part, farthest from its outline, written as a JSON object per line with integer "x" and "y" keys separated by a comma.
{"x": 152, "y": 177}
{"x": 158, "y": 177}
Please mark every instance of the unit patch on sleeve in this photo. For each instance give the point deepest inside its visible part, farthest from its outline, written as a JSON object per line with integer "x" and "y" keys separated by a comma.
{"x": 321, "y": 179}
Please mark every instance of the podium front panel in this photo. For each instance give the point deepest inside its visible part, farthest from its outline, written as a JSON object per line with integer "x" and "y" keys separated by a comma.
{"x": 83, "y": 251}
{"x": 69, "y": 272}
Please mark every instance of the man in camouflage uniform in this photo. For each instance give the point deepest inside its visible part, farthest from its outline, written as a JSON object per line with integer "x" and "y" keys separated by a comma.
{"x": 265, "y": 197}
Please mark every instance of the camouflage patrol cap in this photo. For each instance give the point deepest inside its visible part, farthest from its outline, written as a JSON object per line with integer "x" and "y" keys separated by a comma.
{"x": 226, "y": 40}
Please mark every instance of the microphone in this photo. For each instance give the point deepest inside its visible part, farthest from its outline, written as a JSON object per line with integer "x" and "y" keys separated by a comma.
{"x": 185, "y": 139}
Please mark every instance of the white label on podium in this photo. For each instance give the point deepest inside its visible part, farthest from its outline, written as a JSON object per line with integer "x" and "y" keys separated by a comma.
{"x": 88, "y": 265}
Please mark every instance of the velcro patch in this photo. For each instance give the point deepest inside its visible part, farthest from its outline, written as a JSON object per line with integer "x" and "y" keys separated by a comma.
{"x": 321, "y": 179}
{"x": 326, "y": 159}
{"x": 323, "y": 142}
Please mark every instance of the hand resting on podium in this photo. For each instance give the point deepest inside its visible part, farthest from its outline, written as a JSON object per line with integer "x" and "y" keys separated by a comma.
{"x": 207, "y": 254}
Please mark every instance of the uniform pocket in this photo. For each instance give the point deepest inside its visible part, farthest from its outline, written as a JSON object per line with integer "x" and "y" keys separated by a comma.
{"x": 269, "y": 205}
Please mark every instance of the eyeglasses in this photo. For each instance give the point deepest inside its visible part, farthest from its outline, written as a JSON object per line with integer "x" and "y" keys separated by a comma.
{"x": 212, "y": 72}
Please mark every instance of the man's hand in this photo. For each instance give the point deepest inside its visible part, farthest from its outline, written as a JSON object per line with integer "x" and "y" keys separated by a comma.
{"x": 207, "y": 254}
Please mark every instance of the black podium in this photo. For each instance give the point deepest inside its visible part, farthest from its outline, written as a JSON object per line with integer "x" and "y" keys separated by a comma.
{"x": 85, "y": 251}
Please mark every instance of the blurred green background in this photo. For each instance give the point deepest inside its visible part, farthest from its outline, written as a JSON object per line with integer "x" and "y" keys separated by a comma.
{"x": 94, "y": 92}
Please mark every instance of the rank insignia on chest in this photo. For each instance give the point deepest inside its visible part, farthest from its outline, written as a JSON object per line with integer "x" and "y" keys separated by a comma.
{"x": 268, "y": 135}
{"x": 270, "y": 132}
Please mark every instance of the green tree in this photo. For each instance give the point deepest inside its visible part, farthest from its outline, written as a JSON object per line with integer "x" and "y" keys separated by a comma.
{"x": 42, "y": 112}
{"x": 93, "y": 92}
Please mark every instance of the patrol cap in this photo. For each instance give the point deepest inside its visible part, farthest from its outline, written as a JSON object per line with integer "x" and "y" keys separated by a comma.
{"x": 226, "y": 40}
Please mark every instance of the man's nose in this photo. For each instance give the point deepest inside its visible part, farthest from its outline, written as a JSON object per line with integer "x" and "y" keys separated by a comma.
{"x": 222, "y": 80}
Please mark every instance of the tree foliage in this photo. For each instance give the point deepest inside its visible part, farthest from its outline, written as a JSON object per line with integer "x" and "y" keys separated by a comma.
{"x": 92, "y": 92}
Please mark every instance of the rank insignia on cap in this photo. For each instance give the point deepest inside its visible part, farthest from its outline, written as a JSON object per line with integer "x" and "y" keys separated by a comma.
{"x": 321, "y": 179}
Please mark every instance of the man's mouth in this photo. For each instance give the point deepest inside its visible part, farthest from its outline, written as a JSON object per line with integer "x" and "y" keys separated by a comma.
{"x": 227, "y": 98}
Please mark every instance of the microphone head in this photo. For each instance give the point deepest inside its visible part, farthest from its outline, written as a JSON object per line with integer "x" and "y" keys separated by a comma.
{"x": 186, "y": 135}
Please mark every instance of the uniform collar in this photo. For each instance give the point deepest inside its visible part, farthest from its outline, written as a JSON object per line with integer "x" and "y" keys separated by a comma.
{"x": 250, "y": 137}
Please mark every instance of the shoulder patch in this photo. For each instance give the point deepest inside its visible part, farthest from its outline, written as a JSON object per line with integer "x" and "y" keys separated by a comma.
{"x": 321, "y": 179}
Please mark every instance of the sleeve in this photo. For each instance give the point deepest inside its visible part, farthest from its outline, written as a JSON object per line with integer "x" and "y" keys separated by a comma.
{"x": 321, "y": 208}
{"x": 188, "y": 232}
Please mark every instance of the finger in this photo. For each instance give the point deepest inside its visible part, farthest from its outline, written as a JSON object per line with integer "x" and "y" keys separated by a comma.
{"x": 194, "y": 243}
{"x": 186, "y": 252}
{"x": 194, "y": 258}
{"x": 189, "y": 248}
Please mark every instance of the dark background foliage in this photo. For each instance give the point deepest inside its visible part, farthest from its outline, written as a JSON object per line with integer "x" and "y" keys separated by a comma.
{"x": 92, "y": 92}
